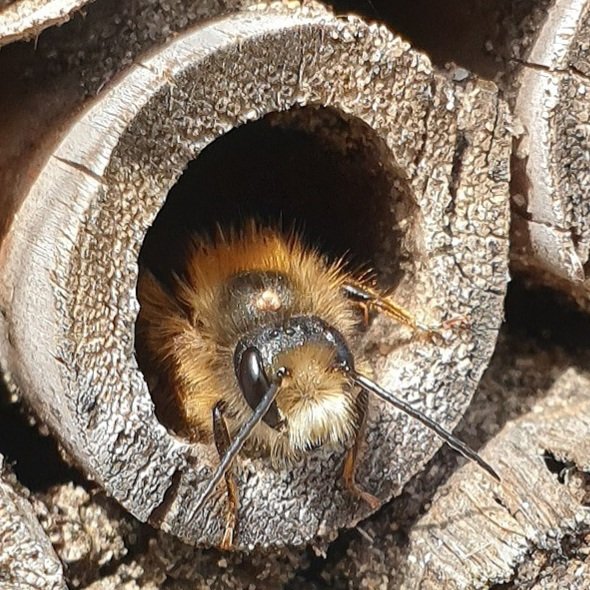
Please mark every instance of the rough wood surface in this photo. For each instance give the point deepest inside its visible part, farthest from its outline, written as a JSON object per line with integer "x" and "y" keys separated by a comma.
{"x": 48, "y": 80}
{"x": 70, "y": 259}
{"x": 24, "y": 19}
{"x": 476, "y": 533}
{"x": 531, "y": 372}
{"x": 551, "y": 233}
{"x": 537, "y": 51}
{"x": 27, "y": 559}
{"x": 103, "y": 548}
{"x": 458, "y": 531}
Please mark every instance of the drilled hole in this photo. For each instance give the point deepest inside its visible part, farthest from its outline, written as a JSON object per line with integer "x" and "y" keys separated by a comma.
{"x": 312, "y": 168}
{"x": 326, "y": 174}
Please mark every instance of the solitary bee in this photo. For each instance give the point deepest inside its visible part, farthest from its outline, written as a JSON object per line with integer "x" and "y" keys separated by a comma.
{"x": 256, "y": 340}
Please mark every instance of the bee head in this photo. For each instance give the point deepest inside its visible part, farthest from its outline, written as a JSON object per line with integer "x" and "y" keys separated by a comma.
{"x": 315, "y": 403}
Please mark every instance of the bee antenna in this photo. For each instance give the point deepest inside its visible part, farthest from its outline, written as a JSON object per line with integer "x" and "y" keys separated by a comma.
{"x": 451, "y": 440}
{"x": 238, "y": 442}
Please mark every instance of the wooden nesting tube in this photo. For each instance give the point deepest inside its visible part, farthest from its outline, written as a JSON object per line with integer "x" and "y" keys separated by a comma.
{"x": 69, "y": 263}
{"x": 477, "y": 534}
{"x": 27, "y": 559}
{"x": 25, "y": 19}
{"x": 551, "y": 232}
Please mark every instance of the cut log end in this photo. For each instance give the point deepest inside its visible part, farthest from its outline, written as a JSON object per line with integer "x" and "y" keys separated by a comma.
{"x": 25, "y": 19}
{"x": 551, "y": 232}
{"x": 432, "y": 219}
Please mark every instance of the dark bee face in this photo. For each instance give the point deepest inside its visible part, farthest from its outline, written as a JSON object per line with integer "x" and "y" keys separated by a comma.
{"x": 256, "y": 355}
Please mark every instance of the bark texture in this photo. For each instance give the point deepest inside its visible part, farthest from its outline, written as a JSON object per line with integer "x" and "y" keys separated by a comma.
{"x": 70, "y": 258}
{"x": 464, "y": 531}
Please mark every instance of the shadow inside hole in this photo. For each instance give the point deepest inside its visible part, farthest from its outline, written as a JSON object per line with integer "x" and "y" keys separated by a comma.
{"x": 557, "y": 466}
{"x": 327, "y": 175}
{"x": 474, "y": 34}
{"x": 34, "y": 458}
{"x": 311, "y": 168}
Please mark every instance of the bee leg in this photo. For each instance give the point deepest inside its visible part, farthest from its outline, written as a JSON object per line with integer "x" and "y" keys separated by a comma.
{"x": 370, "y": 299}
{"x": 222, "y": 443}
{"x": 365, "y": 310}
{"x": 351, "y": 459}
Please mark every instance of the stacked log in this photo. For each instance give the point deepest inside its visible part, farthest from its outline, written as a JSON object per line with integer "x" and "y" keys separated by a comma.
{"x": 123, "y": 125}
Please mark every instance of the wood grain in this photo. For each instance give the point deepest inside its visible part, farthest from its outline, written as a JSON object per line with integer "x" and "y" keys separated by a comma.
{"x": 551, "y": 234}
{"x": 476, "y": 533}
{"x": 25, "y": 19}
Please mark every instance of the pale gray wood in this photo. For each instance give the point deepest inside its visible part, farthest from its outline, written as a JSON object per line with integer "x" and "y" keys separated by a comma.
{"x": 477, "y": 533}
{"x": 551, "y": 234}
{"x": 24, "y": 19}
{"x": 69, "y": 262}
{"x": 27, "y": 559}
{"x": 535, "y": 386}
{"x": 454, "y": 528}
{"x": 51, "y": 79}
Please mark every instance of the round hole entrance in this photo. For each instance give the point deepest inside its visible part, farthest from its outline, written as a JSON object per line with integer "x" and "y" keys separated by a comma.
{"x": 314, "y": 169}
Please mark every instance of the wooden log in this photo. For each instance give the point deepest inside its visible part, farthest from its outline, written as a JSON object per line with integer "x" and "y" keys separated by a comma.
{"x": 537, "y": 51}
{"x": 476, "y": 534}
{"x": 25, "y": 19}
{"x": 445, "y": 531}
{"x": 103, "y": 548}
{"x": 49, "y": 80}
{"x": 27, "y": 559}
{"x": 437, "y": 214}
{"x": 523, "y": 373}
{"x": 551, "y": 229}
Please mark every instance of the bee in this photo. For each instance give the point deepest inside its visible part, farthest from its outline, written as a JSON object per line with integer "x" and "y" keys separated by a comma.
{"x": 256, "y": 339}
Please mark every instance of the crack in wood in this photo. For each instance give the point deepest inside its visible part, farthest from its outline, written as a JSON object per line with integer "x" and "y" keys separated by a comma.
{"x": 81, "y": 168}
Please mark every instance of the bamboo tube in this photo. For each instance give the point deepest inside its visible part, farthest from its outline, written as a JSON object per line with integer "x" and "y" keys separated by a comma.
{"x": 434, "y": 223}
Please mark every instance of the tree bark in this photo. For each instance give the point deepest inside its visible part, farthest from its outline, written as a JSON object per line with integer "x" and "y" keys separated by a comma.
{"x": 69, "y": 259}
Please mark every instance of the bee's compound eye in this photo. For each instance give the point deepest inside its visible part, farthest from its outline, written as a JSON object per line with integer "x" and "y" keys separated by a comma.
{"x": 254, "y": 383}
{"x": 253, "y": 379}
